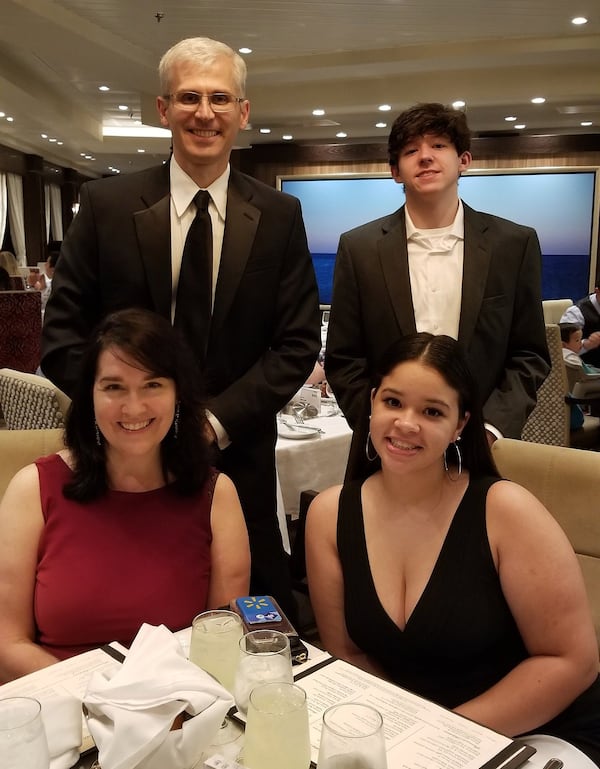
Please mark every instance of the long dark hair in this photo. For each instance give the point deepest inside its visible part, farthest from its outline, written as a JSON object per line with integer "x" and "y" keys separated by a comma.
{"x": 149, "y": 340}
{"x": 444, "y": 354}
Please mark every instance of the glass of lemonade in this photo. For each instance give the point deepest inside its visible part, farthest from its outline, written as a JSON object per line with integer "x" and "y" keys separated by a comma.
{"x": 214, "y": 644}
{"x": 352, "y": 738}
{"x": 277, "y": 728}
{"x": 22, "y": 736}
{"x": 264, "y": 656}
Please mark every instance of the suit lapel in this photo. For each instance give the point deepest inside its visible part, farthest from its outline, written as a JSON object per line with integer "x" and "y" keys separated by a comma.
{"x": 153, "y": 229}
{"x": 393, "y": 257}
{"x": 241, "y": 224}
{"x": 475, "y": 271}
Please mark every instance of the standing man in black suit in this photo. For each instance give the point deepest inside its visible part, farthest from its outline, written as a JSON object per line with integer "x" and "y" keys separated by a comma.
{"x": 125, "y": 246}
{"x": 437, "y": 265}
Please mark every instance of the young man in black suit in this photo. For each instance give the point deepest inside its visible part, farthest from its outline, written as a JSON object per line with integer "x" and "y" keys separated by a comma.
{"x": 437, "y": 265}
{"x": 125, "y": 246}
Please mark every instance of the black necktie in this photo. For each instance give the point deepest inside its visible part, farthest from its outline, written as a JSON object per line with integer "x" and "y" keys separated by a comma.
{"x": 194, "y": 290}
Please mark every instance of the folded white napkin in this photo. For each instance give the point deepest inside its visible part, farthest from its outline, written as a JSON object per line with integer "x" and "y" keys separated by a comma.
{"x": 130, "y": 714}
{"x": 61, "y": 714}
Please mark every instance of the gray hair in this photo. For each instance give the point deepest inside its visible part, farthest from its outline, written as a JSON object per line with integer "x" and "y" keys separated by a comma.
{"x": 205, "y": 52}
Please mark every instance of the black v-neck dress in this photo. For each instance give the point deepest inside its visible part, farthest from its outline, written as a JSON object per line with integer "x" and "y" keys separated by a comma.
{"x": 461, "y": 637}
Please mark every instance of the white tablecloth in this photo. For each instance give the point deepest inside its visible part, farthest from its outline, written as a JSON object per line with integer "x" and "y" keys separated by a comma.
{"x": 314, "y": 463}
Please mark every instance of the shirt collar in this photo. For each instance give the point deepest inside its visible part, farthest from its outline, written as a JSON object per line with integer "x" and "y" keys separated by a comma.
{"x": 457, "y": 228}
{"x": 183, "y": 189}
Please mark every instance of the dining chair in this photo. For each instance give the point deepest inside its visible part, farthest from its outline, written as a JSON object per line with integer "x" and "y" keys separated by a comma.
{"x": 565, "y": 480}
{"x": 554, "y": 309}
{"x": 21, "y": 324}
{"x": 22, "y": 447}
{"x": 30, "y": 402}
{"x": 549, "y": 422}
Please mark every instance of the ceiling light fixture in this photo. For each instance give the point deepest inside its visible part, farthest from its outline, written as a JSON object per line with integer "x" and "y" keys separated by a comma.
{"x": 510, "y": 118}
{"x": 538, "y": 100}
{"x": 380, "y": 125}
{"x": 578, "y": 20}
{"x": 287, "y": 137}
{"x": 586, "y": 123}
{"x": 521, "y": 126}
{"x": 341, "y": 134}
{"x": 245, "y": 50}
{"x": 141, "y": 150}
{"x": 459, "y": 104}
{"x": 2, "y": 114}
{"x": 123, "y": 107}
{"x": 103, "y": 88}
{"x": 384, "y": 107}
{"x": 318, "y": 112}
{"x": 264, "y": 130}
{"x": 44, "y": 136}
{"x": 10, "y": 119}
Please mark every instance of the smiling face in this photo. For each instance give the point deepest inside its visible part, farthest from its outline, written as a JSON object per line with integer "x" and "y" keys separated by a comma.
{"x": 134, "y": 410}
{"x": 429, "y": 165}
{"x": 414, "y": 416}
{"x": 203, "y": 139}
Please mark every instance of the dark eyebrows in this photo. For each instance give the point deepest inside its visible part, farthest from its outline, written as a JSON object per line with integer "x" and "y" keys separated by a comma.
{"x": 388, "y": 392}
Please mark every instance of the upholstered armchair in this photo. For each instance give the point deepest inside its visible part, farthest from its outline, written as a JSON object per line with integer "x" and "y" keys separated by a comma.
{"x": 21, "y": 330}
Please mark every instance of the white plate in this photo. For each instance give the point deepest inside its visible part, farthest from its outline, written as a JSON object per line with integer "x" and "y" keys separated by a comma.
{"x": 296, "y": 434}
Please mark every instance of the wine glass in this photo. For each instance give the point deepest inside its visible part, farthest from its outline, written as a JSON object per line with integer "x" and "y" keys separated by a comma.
{"x": 264, "y": 656}
{"x": 214, "y": 647}
{"x": 352, "y": 738}
{"x": 22, "y": 736}
{"x": 277, "y": 728}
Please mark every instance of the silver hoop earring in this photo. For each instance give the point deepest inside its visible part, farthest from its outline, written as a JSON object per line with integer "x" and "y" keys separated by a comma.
{"x": 176, "y": 422}
{"x": 369, "y": 441}
{"x": 454, "y": 444}
{"x": 98, "y": 436}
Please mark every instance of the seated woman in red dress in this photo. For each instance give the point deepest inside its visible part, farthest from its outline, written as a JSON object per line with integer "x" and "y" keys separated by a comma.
{"x": 129, "y": 523}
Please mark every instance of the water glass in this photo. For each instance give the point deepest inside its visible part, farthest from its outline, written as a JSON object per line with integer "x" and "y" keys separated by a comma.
{"x": 277, "y": 728}
{"x": 214, "y": 644}
{"x": 352, "y": 738}
{"x": 264, "y": 656}
{"x": 22, "y": 736}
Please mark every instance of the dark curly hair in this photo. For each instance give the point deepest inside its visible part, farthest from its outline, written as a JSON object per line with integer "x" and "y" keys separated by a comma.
{"x": 431, "y": 118}
{"x": 445, "y": 355}
{"x": 151, "y": 341}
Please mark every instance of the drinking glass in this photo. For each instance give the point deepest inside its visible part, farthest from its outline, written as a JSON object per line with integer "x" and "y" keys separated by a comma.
{"x": 277, "y": 728}
{"x": 214, "y": 644}
{"x": 22, "y": 736}
{"x": 264, "y": 656}
{"x": 352, "y": 738}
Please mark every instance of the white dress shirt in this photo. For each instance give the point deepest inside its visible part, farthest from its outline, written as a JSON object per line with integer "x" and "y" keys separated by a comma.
{"x": 435, "y": 262}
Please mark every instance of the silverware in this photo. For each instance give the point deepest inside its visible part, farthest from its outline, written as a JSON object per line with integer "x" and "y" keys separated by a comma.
{"x": 553, "y": 763}
{"x": 297, "y": 426}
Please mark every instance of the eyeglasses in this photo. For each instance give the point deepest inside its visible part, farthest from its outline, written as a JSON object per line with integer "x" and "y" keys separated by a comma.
{"x": 190, "y": 100}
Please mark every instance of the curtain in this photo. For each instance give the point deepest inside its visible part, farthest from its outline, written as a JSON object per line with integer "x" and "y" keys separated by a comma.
{"x": 16, "y": 216}
{"x": 56, "y": 226}
{"x": 47, "y": 210}
{"x": 3, "y": 207}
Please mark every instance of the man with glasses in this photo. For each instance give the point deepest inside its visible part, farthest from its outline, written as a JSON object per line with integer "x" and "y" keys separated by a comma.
{"x": 129, "y": 243}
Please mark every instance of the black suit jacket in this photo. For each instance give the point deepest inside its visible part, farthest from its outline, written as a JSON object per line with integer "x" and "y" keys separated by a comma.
{"x": 501, "y": 322}
{"x": 264, "y": 336}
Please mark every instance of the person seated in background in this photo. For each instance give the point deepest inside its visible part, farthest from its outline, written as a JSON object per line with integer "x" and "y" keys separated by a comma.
{"x": 9, "y": 261}
{"x": 44, "y": 280}
{"x": 438, "y": 575}
{"x": 585, "y": 313}
{"x": 129, "y": 523}
{"x": 5, "y": 282}
{"x": 584, "y": 379}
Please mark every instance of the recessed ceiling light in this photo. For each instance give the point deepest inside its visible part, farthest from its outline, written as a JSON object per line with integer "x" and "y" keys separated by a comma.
{"x": 140, "y": 150}
{"x": 318, "y": 112}
{"x": 579, "y": 20}
{"x": 538, "y": 100}
{"x": 287, "y": 137}
{"x": 87, "y": 157}
{"x": 51, "y": 140}
{"x": 510, "y": 118}
{"x": 380, "y": 125}
{"x": 44, "y": 136}
{"x": 264, "y": 130}
{"x": 586, "y": 123}
{"x": 245, "y": 50}
{"x": 82, "y": 154}
{"x": 341, "y": 134}
{"x": 123, "y": 107}
{"x": 459, "y": 104}
{"x": 520, "y": 126}
{"x": 103, "y": 88}
{"x": 10, "y": 119}
{"x": 60, "y": 143}
{"x": 384, "y": 107}
{"x": 2, "y": 114}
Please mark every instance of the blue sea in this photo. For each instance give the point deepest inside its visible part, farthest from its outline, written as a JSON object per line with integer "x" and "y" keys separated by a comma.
{"x": 564, "y": 276}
